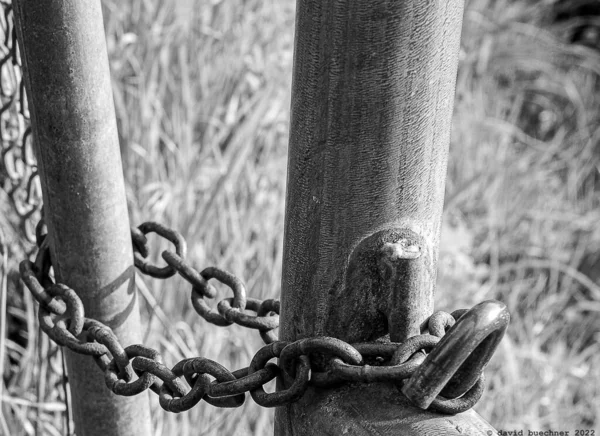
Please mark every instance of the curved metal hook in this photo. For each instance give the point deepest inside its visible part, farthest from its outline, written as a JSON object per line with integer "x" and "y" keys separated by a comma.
{"x": 457, "y": 361}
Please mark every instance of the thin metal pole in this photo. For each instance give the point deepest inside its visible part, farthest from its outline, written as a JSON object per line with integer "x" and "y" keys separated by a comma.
{"x": 372, "y": 101}
{"x": 68, "y": 85}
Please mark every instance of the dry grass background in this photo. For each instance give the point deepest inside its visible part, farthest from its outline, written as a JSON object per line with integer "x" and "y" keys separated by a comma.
{"x": 202, "y": 96}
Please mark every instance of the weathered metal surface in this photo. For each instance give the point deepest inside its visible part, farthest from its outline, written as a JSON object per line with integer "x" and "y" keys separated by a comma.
{"x": 74, "y": 129}
{"x": 295, "y": 388}
{"x": 373, "y": 409}
{"x": 387, "y": 276}
{"x": 406, "y": 280}
{"x": 372, "y": 100}
{"x": 371, "y": 108}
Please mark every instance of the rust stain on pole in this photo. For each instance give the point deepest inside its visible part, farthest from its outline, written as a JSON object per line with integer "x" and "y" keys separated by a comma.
{"x": 372, "y": 101}
{"x": 74, "y": 126}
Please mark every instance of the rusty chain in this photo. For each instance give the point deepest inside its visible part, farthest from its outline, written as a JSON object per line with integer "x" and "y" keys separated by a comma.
{"x": 130, "y": 370}
{"x": 18, "y": 167}
{"x": 321, "y": 361}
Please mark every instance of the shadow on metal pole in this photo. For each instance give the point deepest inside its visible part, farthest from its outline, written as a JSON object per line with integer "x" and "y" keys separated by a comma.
{"x": 68, "y": 83}
{"x": 372, "y": 101}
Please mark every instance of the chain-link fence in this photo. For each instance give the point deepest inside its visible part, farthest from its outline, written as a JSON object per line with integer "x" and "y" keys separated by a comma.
{"x": 18, "y": 169}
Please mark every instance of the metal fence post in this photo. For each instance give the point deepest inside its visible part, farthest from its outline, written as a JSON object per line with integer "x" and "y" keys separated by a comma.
{"x": 372, "y": 100}
{"x": 65, "y": 64}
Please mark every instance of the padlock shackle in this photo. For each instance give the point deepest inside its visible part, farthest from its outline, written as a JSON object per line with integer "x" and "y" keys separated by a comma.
{"x": 456, "y": 363}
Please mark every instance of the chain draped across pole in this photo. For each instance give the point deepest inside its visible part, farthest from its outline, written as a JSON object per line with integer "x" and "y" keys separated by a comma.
{"x": 322, "y": 362}
{"x": 372, "y": 99}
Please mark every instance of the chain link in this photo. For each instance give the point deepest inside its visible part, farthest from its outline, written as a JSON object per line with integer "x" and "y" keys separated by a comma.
{"x": 145, "y": 380}
{"x": 321, "y": 361}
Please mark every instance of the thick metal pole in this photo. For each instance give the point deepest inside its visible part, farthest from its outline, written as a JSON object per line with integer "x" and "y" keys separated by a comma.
{"x": 372, "y": 101}
{"x": 65, "y": 62}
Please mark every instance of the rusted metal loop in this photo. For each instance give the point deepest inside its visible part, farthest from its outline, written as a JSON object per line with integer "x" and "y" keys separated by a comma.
{"x": 74, "y": 311}
{"x": 194, "y": 367}
{"x": 321, "y": 345}
{"x": 170, "y": 403}
{"x": 103, "y": 334}
{"x": 205, "y": 311}
{"x": 240, "y": 318}
{"x": 145, "y": 379}
{"x": 181, "y": 403}
{"x": 143, "y": 264}
{"x": 189, "y": 274}
{"x": 139, "y": 241}
{"x": 244, "y": 382}
{"x": 260, "y": 361}
{"x": 238, "y": 373}
{"x": 57, "y": 331}
{"x": 457, "y": 361}
{"x": 372, "y": 352}
{"x": 102, "y": 362}
{"x": 143, "y": 365}
{"x": 412, "y": 345}
{"x": 28, "y": 272}
{"x": 266, "y": 308}
{"x": 225, "y": 277}
{"x": 459, "y": 405}
{"x": 439, "y": 322}
{"x": 372, "y": 374}
{"x": 199, "y": 365}
{"x": 289, "y": 395}
{"x": 268, "y": 336}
